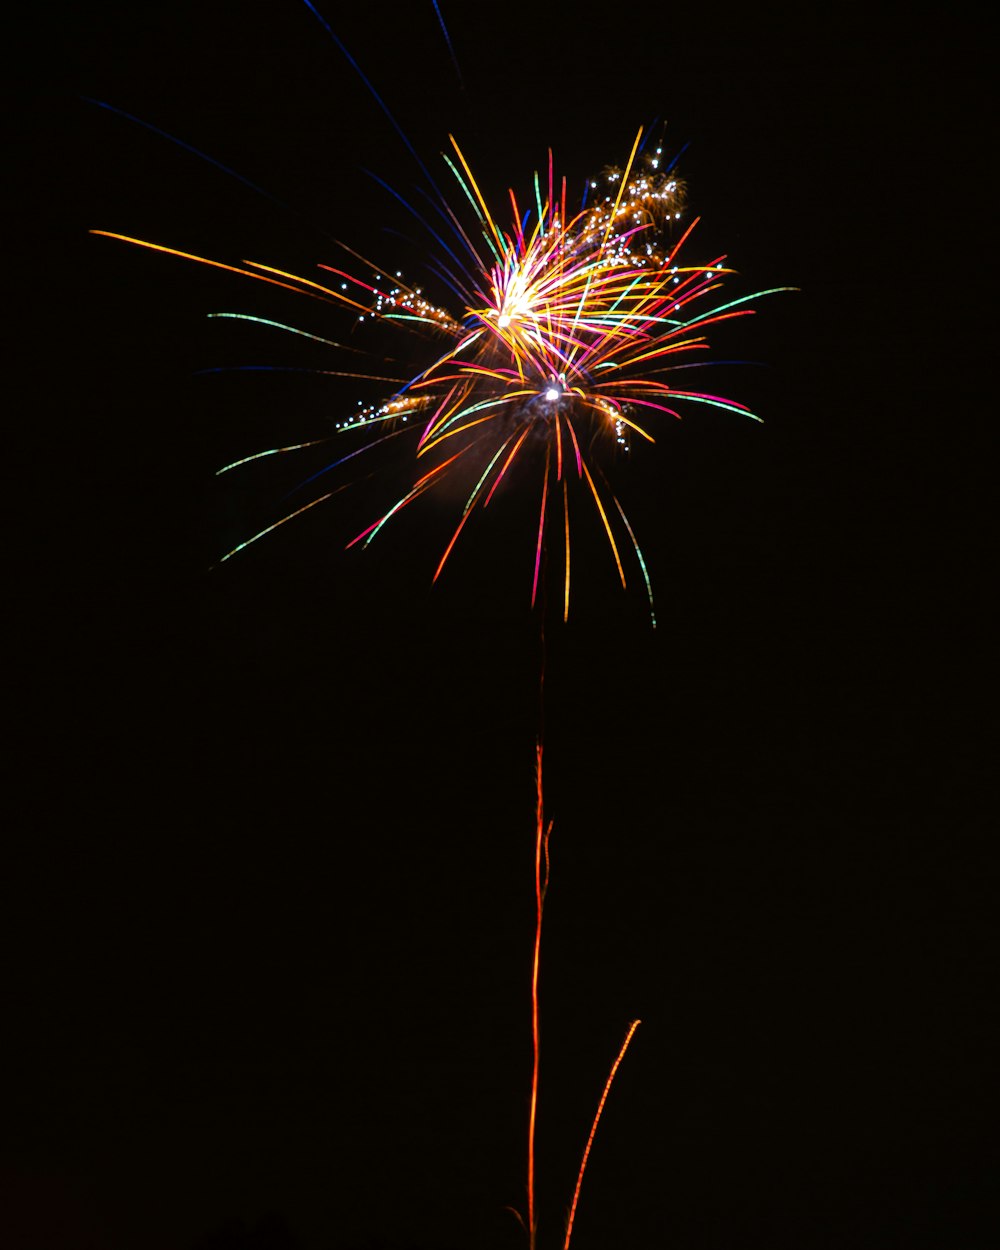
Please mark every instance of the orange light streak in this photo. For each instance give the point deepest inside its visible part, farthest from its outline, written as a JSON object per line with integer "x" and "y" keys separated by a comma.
{"x": 506, "y": 465}
{"x": 218, "y": 264}
{"x": 541, "y": 884}
{"x": 487, "y": 216}
{"x": 454, "y": 539}
{"x": 593, "y": 1129}
{"x": 607, "y": 523}
{"x": 621, "y": 189}
{"x": 421, "y": 485}
{"x": 566, "y": 516}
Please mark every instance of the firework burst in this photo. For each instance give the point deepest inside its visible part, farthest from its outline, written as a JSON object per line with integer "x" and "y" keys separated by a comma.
{"x": 559, "y": 356}
{"x": 554, "y": 355}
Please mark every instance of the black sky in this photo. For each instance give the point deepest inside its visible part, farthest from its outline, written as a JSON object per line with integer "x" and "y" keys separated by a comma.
{"x": 269, "y": 885}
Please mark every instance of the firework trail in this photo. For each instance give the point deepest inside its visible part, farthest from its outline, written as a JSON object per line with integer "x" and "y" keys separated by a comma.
{"x": 543, "y": 832}
{"x": 593, "y": 1130}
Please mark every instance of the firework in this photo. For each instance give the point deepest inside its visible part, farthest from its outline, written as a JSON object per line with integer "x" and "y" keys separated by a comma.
{"x": 556, "y": 357}
{"x": 553, "y": 354}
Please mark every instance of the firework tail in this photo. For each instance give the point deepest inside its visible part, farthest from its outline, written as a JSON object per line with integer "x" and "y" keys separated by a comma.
{"x": 542, "y": 833}
{"x": 593, "y": 1130}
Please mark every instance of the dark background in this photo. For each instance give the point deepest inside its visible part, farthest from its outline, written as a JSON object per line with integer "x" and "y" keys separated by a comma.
{"x": 269, "y": 869}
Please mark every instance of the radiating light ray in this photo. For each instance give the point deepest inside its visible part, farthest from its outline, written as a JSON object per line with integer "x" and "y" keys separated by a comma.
{"x": 187, "y": 147}
{"x": 316, "y": 442}
{"x": 319, "y": 373}
{"x": 272, "y": 451}
{"x": 469, "y": 506}
{"x": 325, "y": 291}
{"x": 364, "y": 78}
{"x": 642, "y": 562}
{"x": 422, "y": 485}
{"x": 476, "y": 197}
{"x": 204, "y": 260}
{"x": 576, "y": 448}
{"x": 271, "y": 528}
{"x": 447, "y": 39}
{"x": 541, "y": 530}
{"x": 280, "y": 325}
{"x": 621, "y": 190}
{"x": 607, "y": 524}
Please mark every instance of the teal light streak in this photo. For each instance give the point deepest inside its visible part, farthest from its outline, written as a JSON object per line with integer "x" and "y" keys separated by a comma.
{"x": 280, "y": 325}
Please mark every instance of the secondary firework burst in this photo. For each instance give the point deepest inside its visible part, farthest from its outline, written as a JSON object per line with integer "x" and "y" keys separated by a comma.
{"x": 559, "y": 356}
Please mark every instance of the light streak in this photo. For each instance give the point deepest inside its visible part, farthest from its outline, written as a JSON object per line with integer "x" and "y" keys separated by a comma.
{"x": 542, "y": 833}
{"x": 593, "y": 1130}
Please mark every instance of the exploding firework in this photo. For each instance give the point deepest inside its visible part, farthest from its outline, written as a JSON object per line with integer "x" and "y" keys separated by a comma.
{"x": 554, "y": 355}
{"x": 557, "y": 355}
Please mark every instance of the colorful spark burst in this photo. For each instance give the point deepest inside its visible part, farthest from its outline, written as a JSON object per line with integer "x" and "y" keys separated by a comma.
{"x": 571, "y": 323}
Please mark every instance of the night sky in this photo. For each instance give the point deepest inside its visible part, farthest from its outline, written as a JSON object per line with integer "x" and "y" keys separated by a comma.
{"x": 268, "y": 882}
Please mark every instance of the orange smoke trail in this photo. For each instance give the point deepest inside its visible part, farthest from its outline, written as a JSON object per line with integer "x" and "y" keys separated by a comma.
{"x": 593, "y": 1129}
